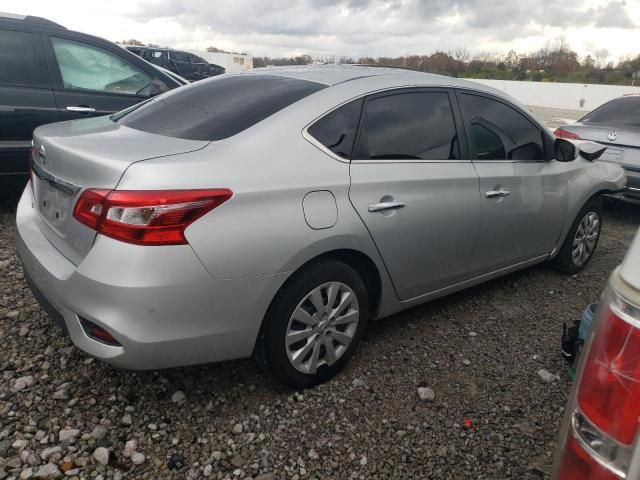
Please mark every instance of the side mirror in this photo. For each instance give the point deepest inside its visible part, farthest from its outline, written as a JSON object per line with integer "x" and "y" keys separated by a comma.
{"x": 591, "y": 151}
{"x": 565, "y": 150}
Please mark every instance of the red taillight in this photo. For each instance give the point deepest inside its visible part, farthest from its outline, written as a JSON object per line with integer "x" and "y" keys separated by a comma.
{"x": 560, "y": 133}
{"x": 578, "y": 464}
{"x": 148, "y": 217}
{"x": 89, "y": 207}
{"x": 602, "y": 421}
{"x": 609, "y": 390}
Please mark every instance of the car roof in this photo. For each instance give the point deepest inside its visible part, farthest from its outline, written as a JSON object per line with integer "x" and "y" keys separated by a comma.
{"x": 30, "y": 19}
{"x": 331, "y": 74}
{"x": 366, "y": 79}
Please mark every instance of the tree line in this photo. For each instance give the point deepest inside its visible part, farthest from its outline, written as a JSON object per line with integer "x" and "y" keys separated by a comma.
{"x": 555, "y": 62}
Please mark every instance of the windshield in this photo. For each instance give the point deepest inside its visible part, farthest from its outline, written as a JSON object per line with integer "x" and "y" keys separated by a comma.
{"x": 621, "y": 111}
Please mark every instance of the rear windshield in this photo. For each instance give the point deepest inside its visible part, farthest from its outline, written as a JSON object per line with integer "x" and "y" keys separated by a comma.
{"x": 217, "y": 108}
{"x": 621, "y": 111}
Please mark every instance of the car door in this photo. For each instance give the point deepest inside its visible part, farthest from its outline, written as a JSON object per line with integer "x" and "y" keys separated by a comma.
{"x": 26, "y": 101}
{"x": 522, "y": 191}
{"x": 183, "y": 65}
{"x": 415, "y": 190}
{"x": 91, "y": 80}
{"x": 199, "y": 66}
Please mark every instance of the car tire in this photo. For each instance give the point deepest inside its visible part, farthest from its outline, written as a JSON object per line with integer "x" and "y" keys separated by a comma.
{"x": 582, "y": 239}
{"x": 314, "y": 324}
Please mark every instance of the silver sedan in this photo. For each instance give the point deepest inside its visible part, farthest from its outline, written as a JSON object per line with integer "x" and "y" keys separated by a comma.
{"x": 616, "y": 125}
{"x": 274, "y": 213}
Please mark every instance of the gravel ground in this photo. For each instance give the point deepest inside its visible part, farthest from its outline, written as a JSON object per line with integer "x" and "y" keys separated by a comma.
{"x": 491, "y": 417}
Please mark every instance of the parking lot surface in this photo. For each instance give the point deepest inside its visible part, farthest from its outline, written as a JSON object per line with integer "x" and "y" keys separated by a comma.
{"x": 556, "y": 117}
{"x": 491, "y": 417}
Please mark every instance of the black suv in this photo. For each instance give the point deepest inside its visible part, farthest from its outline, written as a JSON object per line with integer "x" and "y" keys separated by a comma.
{"x": 185, "y": 64}
{"x": 49, "y": 74}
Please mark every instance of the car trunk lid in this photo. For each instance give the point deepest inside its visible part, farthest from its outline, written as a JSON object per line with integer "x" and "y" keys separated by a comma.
{"x": 94, "y": 153}
{"x": 623, "y": 144}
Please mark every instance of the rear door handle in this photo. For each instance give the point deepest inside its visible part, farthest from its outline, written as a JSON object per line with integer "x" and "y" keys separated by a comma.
{"x": 80, "y": 109}
{"x": 497, "y": 193}
{"x": 382, "y": 206}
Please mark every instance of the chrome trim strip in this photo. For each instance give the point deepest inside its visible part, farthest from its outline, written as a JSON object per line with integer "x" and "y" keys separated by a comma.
{"x": 625, "y": 309}
{"x": 15, "y": 144}
{"x": 634, "y": 467}
{"x": 81, "y": 109}
{"x": 307, "y": 136}
{"x": 617, "y": 447}
{"x": 394, "y": 162}
{"x": 55, "y": 182}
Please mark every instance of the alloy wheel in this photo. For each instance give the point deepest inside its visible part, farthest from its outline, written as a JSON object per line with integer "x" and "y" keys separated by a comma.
{"x": 585, "y": 239}
{"x": 322, "y": 327}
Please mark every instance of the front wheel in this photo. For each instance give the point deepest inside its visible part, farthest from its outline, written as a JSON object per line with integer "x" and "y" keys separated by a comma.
{"x": 314, "y": 324}
{"x": 582, "y": 239}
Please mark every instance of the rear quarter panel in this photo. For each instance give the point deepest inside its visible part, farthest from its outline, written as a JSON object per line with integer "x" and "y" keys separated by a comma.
{"x": 585, "y": 180}
{"x": 270, "y": 167}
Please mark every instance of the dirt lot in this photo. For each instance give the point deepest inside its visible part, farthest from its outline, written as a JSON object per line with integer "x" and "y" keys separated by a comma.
{"x": 478, "y": 350}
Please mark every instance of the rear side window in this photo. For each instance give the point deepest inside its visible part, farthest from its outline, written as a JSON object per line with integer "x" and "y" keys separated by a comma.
{"x": 499, "y": 132}
{"x": 17, "y": 58}
{"x": 218, "y": 108}
{"x": 408, "y": 126}
{"x": 180, "y": 57}
{"x": 337, "y": 130}
{"x": 621, "y": 111}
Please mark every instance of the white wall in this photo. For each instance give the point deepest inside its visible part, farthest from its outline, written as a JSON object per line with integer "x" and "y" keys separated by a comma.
{"x": 569, "y": 96}
{"x": 233, "y": 63}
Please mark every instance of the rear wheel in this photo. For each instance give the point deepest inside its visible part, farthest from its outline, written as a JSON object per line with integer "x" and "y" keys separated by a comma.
{"x": 582, "y": 239}
{"x": 314, "y": 324}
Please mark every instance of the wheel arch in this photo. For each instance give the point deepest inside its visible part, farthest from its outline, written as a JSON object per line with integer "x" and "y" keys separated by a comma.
{"x": 597, "y": 195}
{"x": 362, "y": 263}
{"x": 359, "y": 261}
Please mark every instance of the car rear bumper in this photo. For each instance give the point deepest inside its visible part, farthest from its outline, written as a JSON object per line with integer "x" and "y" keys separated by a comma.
{"x": 631, "y": 192}
{"x": 159, "y": 303}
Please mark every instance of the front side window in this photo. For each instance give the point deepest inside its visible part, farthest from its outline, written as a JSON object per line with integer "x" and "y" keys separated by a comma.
{"x": 17, "y": 58}
{"x": 408, "y": 126}
{"x": 218, "y": 108}
{"x": 499, "y": 132}
{"x": 337, "y": 130}
{"x": 85, "y": 67}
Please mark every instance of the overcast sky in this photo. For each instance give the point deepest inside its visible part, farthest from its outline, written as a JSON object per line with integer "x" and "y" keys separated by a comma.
{"x": 353, "y": 27}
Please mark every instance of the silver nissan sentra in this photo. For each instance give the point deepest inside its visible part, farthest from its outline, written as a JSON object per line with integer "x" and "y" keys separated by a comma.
{"x": 274, "y": 213}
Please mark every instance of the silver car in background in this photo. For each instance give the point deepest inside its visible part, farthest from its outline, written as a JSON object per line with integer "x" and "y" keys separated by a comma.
{"x": 616, "y": 124}
{"x": 274, "y": 213}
